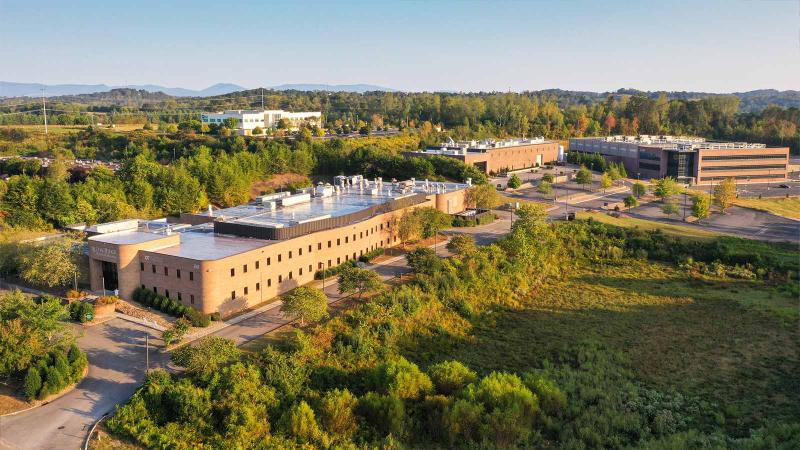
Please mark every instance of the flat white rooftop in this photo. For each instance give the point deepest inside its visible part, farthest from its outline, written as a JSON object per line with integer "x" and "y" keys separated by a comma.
{"x": 200, "y": 242}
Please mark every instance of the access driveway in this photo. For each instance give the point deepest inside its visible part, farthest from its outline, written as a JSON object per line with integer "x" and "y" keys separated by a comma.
{"x": 116, "y": 351}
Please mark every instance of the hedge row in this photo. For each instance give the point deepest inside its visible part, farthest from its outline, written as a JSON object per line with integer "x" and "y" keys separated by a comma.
{"x": 483, "y": 219}
{"x": 55, "y": 371}
{"x": 171, "y": 306}
{"x": 333, "y": 271}
{"x": 372, "y": 254}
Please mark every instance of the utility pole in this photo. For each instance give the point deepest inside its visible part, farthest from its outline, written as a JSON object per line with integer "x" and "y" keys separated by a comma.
{"x": 262, "y": 99}
{"x": 146, "y": 352}
{"x": 44, "y": 111}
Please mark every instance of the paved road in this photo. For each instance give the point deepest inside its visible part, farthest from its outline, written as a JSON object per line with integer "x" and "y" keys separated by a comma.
{"x": 116, "y": 351}
{"x": 117, "y": 359}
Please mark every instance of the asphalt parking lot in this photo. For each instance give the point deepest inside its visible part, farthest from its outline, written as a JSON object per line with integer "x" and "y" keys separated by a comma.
{"x": 754, "y": 190}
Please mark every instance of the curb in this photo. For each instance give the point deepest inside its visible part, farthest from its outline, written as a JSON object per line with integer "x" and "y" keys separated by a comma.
{"x": 91, "y": 431}
{"x": 143, "y": 322}
{"x": 66, "y": 391}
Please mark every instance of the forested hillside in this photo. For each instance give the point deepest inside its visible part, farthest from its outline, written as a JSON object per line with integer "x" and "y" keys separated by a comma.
{"x": 763, "y": 116}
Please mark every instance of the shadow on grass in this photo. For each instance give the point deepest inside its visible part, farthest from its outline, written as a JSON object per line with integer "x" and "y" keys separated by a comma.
{"x": 707, "y": 347}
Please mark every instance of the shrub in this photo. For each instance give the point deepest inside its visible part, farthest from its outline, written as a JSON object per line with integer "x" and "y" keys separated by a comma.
{"x": 337, "y": 412}
{"x": 302, "y": 423}
{"x": 196, "y": 318}
{"x": 386, "y": 413}
{"x": 32, "y": 384}
{"x": 402, "y": 379}
{"x": 106, "y": 300}
{"x": 451, "y": 376}
{"x": 370, "y": 255}
{"x": 333, "y": 271}
{"x": 72, "y": 294}
{"x": 423, "y": 260}
{"x": 61, "y": 364}
{"x": 510, "y": 408}
{"x": 462, "y": 421}
{"x": 54, "y": 381}
{"x": 79, "y": 310}
{"x": 551, "y": 399}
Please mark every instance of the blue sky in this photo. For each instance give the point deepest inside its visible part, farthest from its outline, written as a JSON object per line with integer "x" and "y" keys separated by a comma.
{"x": 718, "y": 46}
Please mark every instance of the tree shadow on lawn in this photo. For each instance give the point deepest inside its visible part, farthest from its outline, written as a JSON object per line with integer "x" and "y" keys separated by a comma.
{"x": 709, "y": 348}
{"x": 754, "y": 297}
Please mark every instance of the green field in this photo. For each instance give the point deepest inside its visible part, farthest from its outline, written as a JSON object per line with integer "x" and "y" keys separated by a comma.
{"x": 630, "y": 222}
{"x": 786, "y": 207}
{"x": 733, "y": 343}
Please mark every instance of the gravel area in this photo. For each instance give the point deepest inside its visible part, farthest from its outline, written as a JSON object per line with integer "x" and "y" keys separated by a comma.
{"x": 140, "y": 313}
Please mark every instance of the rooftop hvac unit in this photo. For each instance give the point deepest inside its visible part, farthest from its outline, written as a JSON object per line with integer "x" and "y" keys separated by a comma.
{"x": 324, "y": 191}
{"x": 270, "y": 197}
{"x": 295, "y": 199}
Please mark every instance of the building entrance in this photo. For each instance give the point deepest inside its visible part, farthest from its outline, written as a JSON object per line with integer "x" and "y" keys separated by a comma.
{"x": 110, "y": 281}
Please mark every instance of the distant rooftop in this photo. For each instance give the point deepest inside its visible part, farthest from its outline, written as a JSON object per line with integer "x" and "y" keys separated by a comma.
{"x": 452, "y": 147}
{"x": 676, "y": 142}
{"x": 346, "y": 196}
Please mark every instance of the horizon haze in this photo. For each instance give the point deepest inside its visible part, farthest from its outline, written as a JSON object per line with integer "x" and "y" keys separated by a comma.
{"x": 714, "y": 46}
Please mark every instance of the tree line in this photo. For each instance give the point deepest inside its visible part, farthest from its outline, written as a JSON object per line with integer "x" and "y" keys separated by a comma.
{"x": 555, "y": 115}
{"x": 150, "y": 183}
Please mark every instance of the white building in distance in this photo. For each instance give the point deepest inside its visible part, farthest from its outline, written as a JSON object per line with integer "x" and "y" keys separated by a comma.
{"x": 247, "y": 120}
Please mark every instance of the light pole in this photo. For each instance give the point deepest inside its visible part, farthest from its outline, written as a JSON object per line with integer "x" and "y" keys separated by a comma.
{"x": 684, "y": 206}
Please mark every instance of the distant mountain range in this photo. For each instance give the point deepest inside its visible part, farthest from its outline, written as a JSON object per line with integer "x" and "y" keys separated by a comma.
{"x": 11, "y": 89}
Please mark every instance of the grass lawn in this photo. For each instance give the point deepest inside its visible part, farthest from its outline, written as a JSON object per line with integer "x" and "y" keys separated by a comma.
{"x": 504, "y": 199}
{"x": 734, "y": 343}
{"x": 630, "y": 222}
{"x": 786, "y": 207}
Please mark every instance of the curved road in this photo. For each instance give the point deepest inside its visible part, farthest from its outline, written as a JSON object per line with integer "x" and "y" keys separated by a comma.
{"x": 116, "y": 351}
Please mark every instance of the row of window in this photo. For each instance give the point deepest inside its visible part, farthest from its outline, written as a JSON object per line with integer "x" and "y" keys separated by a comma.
{"x": 320, "y": 266}
{"x": 748, "y": 167}
{"x": 361, "y": 235}
{"x": 166, "y": 294}
{"x": 736, "y": 157}
{"x": 166, "y": 271}
{"x": 743, "y": 177}
{"x": 649, "y": 166}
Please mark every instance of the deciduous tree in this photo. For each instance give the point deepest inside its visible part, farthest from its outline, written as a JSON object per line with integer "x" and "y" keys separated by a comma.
{"x": 631, "y": 202}
{"x": 305, "y": 303}
{"x": 583, "y": 177}
{"x": 725, "y": 194}
{"x": 701, "y": 206}
{"x": 360, "y": 281}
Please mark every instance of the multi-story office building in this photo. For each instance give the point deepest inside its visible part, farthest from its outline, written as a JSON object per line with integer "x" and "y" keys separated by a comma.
{"x": 493, "y": 157}
{"x": 689, "y": 159}
{"x": 230, "y": 259}
{"x": 247, "y": 120}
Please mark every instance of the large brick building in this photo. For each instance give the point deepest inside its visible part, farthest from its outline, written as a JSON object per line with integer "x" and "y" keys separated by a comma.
{"x": 230, "y": 259}
{"x": 493, "y": 157}
{"x": 689, "y": 159}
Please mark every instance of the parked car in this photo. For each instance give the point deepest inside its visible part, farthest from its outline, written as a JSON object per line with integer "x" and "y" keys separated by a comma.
{"x": 783, "y": 186}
